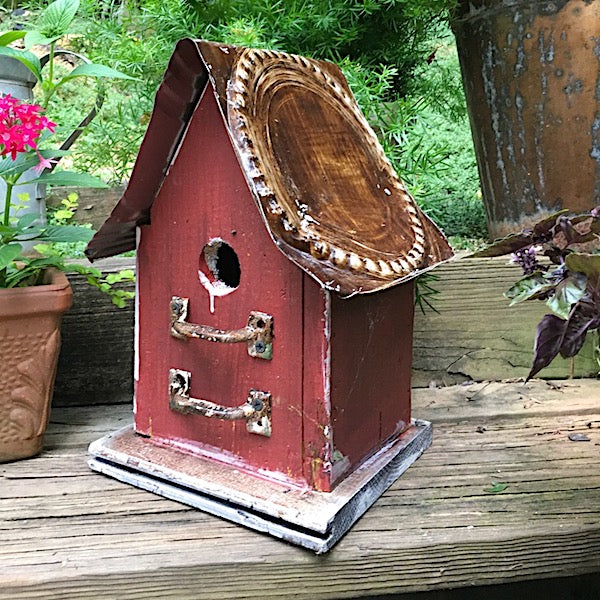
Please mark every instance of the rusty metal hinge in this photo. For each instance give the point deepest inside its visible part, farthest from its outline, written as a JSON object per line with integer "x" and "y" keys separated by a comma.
{"x": 258, "y": 334}
{"x": 256, "y": 411}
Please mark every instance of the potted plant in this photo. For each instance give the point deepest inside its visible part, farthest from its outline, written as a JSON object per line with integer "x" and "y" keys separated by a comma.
{"x": 34, "y": 291}
{"x": 568, "y": 282}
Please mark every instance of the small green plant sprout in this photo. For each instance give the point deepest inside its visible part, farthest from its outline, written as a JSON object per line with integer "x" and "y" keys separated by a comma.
{"x": 53, "y": 24}
{"x": 108, "y": 284}
{"x": 66, "y": 211}
{"x": 496, "y": 488}
{"x": 569, "y": 284}
{"x": 425, "y": 293}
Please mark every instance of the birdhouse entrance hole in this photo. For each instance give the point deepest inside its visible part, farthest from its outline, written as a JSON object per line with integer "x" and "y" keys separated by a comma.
{"x": 219, "y": 270}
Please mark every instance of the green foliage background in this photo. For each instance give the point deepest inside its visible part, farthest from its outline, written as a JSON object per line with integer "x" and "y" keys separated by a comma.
{"x": 398, "y": 56}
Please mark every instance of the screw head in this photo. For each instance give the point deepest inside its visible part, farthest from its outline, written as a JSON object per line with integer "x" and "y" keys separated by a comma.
{"x": 257, "y": 404}
{"x": 260, "y": 346}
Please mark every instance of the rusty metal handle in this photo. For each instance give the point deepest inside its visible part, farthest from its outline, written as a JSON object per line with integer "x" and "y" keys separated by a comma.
{"x": 256, "y": 411}
{"x": 258, "y": 333}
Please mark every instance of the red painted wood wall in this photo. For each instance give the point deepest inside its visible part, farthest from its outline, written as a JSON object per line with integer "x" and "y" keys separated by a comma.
{"x": 340, "y": 373}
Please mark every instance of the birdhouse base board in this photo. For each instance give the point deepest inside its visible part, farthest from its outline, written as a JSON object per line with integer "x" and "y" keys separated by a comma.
{"x": 307, "y": 518}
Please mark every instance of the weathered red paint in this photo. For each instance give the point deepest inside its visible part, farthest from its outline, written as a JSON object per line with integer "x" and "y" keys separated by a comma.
{"x": 340, "y": 372}
{"x": 357, "y": 369}
{"x": 205, "y": 196}
{"x": 371, "y": 360}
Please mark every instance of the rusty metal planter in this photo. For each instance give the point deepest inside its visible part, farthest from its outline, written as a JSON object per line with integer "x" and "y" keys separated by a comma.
{"x": 531, "y": 76}
{"x": 29, "y": 346}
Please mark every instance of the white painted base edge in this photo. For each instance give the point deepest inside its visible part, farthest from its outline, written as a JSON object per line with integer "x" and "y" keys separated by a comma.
{"x": 345, "y": 506}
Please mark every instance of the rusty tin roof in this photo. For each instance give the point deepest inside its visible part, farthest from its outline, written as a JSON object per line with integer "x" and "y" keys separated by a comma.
{"x": 322, "y": 183}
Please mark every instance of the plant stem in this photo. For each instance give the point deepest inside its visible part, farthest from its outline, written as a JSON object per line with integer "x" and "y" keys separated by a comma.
{"x": 48, "y": 86}
{"x": 5, "y": 222}
{"x": 572, "y": 367}
{"x": 7, "y": 197}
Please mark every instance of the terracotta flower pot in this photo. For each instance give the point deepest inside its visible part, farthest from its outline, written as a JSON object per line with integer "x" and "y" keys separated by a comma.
{"x": 29, "y": 345}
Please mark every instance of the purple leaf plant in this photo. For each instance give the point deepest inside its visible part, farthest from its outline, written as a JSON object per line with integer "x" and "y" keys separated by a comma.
{"x": 569, "y": 282}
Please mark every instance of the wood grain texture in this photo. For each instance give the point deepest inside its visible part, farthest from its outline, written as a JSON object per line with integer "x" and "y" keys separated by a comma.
{"x": 313, "y": 520}
{"x": 96, "y": 357}
{"x": 475, "y": 336}
{"x": 66, "y": 532}
{"x": 371, "y": 338}
{"x": 94, "y": 204}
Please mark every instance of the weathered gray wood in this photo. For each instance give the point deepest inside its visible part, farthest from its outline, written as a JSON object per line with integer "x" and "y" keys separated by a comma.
{"x": 66, "y": 532}
{"x": 96, "y": 358}
{"x": 95, "y": 204}
{"x": 475, "y": 335}
{"x": 313, "y": 520}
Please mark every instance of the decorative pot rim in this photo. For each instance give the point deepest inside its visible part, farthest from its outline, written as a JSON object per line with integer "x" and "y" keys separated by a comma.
{"x": 52, "y": 297}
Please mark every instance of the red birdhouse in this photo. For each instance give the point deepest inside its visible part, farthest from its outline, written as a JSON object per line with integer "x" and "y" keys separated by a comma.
{"x": 276, "y": 251}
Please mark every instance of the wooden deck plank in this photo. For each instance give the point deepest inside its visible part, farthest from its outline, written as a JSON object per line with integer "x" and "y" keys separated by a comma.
{"x": 66, "y": 532}
{"x": 474, "y": 336}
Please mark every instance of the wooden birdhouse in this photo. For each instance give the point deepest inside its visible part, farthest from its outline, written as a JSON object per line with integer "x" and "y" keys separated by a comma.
{"x": 276, "y": 252}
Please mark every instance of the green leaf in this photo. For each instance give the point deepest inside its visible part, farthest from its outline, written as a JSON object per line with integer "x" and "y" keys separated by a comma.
{"x": 496, "y": 487}
{"x": 8, "y": 253}
{"x": 588, "y": 264}
{"x": 65, "y": 233}
{"x": 528, "y": 287}
{"x": 6, "y": 231}
{"x": 566, "y": 293}
{"x": 57, "y": 18}
{"x": 63, "y": 214}
{"x": 24, "y": 162}
{"x": 127, "y": 275}
{"x": 30, "y": 60}
{"x": 70, "y": 178}
{"x": 36, "y": 38}
{"x": 95, "y": 70}
{"x": 85, "y": 270}
{"x": 27, "y": 220}
{"x": 31, "y": 270}
{"x": 10, "y": 36}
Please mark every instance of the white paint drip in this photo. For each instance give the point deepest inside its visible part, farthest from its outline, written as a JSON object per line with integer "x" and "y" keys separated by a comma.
{"x": 215, "y": 289}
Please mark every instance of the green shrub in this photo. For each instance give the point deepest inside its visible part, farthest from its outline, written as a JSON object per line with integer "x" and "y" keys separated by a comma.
{"x": 397, "y": 55}
{"x": 451, "y": 195}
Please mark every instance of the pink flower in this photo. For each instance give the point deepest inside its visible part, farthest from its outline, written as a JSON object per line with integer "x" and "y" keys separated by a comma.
{"x": 21, "y": 125}
{"x": 44, "y": 163}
